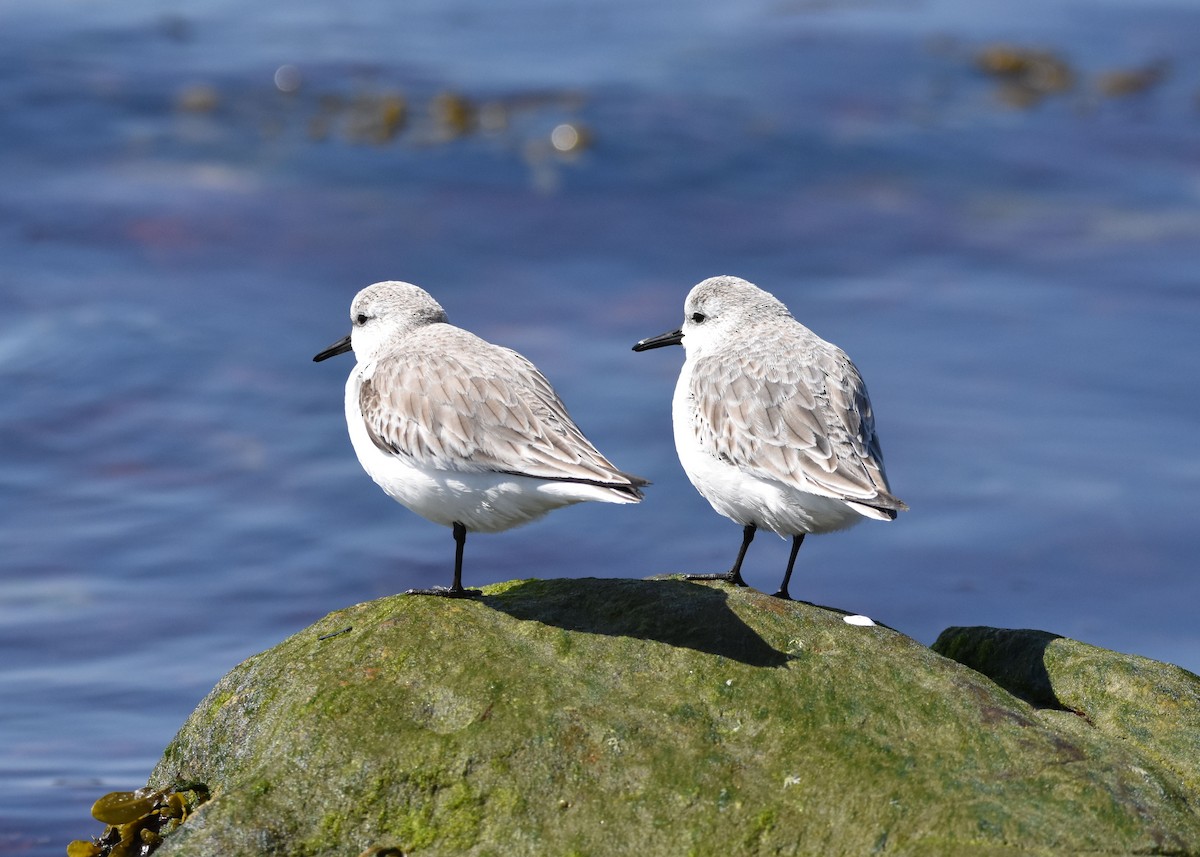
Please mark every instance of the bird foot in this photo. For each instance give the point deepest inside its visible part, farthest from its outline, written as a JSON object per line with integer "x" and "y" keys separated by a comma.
{"x": 783, "y": 595}
{"x": 445, "y": 592}
{"x": 724, "y": 577}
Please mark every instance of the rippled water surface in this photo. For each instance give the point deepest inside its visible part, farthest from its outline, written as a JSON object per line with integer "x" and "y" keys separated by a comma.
{"x": 191, "y": 198}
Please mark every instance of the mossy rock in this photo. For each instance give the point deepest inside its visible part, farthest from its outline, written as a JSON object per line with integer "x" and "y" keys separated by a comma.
{"x": 661, "y": 717}
{"x": 1151, "y": 706}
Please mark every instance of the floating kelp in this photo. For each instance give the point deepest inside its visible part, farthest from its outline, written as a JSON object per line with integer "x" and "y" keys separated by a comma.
{"x": 453, "y": 114}
{"x": 375, "y": 117}
{"x": 1121, "y": 83}
{"x": 1026, "y": 75}
{"x": 382, "y": 116}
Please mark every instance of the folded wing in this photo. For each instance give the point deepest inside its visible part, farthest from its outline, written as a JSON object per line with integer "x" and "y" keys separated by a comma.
{"x": 806, "y": 423}
{"x": 477, "y": 407}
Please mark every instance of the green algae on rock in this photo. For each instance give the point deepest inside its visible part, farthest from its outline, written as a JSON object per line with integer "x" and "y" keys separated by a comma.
{"x": 598, "y": 717}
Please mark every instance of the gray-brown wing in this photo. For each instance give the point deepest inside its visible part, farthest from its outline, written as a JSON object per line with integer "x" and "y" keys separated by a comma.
{"x": 806, "y": 422}
{"x": 452, "y": 401}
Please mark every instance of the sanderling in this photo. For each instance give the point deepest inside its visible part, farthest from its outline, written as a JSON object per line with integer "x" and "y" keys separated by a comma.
{"x": 772, "y": 423}
{"x": 465, "y": 433}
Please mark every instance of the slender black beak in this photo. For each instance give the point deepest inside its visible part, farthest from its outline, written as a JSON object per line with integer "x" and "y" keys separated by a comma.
{"x": 339, "y": 347}
{"x": 673, "y": 338}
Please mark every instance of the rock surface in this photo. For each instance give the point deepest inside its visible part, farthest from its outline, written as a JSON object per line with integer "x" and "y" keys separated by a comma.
{"x": 1147, "y": 705}
{"x": 663, "y": 717}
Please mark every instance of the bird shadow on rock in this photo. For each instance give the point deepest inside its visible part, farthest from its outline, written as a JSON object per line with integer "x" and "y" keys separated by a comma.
{"x": 1015, "y": 660}
{"x": 674, "y": 612}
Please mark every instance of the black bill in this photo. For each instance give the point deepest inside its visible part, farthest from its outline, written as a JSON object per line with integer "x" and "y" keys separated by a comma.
{"x": 673, "y": 338}
{"x": 339, "y": 347}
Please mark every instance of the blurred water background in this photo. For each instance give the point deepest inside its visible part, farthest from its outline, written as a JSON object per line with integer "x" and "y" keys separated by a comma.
{"x": 993, "y": 207}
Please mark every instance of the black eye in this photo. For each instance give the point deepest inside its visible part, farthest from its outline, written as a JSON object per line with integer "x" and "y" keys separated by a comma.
{"x": 361, "y": 319}
{"x": 698, "y": 317}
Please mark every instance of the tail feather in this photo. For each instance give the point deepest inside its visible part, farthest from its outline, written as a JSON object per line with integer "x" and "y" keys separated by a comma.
{"x": 631, "y": 488}
{"x": 885, "y": 507}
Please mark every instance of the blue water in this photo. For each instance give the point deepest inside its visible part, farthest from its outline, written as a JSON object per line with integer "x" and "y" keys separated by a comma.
{"x": 1018, "y": 286}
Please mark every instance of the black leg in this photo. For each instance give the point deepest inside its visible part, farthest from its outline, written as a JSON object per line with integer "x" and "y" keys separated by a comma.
{"x": 787, "y": 576}
{"x": 734, "y": 575}
{"x": 460, "y": 542}
{"x": 456, "y": 589}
